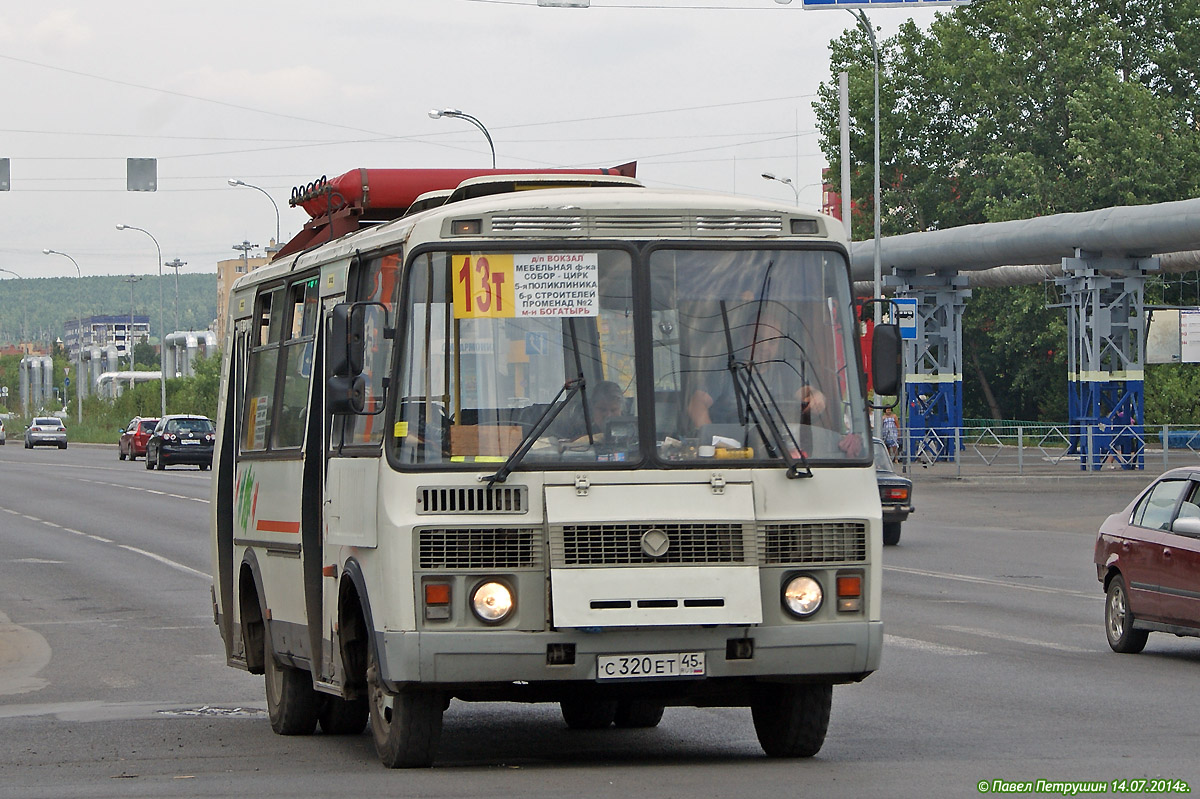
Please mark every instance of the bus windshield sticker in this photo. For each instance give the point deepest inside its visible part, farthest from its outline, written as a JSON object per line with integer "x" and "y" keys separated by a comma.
{"x": 526, "y": 285}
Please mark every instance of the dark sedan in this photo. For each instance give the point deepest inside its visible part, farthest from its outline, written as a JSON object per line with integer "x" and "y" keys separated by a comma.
{"x": 1148, "y": 560}
{"x": 895, "y": 495}
{"x": 181, "y": 439}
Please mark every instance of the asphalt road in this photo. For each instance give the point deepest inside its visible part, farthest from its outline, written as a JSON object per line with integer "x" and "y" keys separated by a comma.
{"x": 113, "y": 683}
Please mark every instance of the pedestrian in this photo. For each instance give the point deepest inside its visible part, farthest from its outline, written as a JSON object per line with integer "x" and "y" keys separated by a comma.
{"x": 891, "y": 433}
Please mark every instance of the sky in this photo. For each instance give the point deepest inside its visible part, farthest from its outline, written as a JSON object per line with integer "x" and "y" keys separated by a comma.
{"x": 703, "y": 94}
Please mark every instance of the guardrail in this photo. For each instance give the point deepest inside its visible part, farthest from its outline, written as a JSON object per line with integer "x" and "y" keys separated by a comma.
{"x": 1049, "y": 448}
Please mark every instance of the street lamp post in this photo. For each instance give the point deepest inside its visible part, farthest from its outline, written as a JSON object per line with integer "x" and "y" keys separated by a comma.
{"x": 786, "y": 181}
{"x": 454, "y": 113}
{"x": 237, "y": 182}
{"x": 865, "y": 23}
{"x": 78, "y": 340}
{"x": 162, "y": 326}
{"x": 176, "y": 264}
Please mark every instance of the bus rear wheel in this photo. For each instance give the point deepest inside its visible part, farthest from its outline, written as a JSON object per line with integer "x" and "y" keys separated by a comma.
{"x": 791, "y": 720}
{"x": 588, "y": 714}
{"x": 406, "y": 726}
{"x": 638, "y": 713}
{"x": 292, "y": 704}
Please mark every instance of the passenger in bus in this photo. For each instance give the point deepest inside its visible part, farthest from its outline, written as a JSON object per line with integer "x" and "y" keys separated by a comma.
{"x": 605, "y": 401}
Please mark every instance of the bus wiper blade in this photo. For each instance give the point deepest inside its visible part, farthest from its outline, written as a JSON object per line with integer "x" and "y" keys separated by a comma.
{"x": 762, "y": 404}
{"x": 569, "y": 389}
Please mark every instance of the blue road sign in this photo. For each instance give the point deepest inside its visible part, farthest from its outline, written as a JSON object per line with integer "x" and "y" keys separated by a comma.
{"x": 906, "y": 316}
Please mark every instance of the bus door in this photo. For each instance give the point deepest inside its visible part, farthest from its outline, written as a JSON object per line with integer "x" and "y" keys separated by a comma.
{"x": 352, "y": 471}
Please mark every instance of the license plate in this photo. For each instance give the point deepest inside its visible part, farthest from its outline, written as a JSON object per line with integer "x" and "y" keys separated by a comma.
{"x": 189, "y": 441}
{"x": 650, "y": 666}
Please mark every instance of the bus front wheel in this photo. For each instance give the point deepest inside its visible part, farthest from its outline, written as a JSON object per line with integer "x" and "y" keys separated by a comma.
{"x": 292, "y": 704}
{"x": 791, "y": 720}
{"x": 406, "y": 726}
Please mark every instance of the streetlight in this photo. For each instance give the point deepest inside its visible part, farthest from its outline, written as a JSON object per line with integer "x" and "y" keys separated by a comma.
{"x": 175, "y": 265}
{"x": 865, "y": 23}
{"x": 456, "y": 114}
{"x": 237, "y": 182}
{"x": 162, "y": 325}
{"x": 78, "y": 341}
{"x": 785, "y": 181}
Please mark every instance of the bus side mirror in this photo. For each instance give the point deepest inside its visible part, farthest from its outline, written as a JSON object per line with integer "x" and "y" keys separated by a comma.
{"x": 347, "y": 341}
{"x": 346, "y": 394}
{"x": 885, "y": 360}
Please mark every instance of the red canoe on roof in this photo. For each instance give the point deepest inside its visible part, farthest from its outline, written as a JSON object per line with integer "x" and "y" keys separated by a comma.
{"x": 398, "y": 188}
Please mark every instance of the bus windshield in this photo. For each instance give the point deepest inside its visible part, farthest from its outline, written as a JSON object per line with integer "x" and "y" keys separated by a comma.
{"x": 751, "y": 358}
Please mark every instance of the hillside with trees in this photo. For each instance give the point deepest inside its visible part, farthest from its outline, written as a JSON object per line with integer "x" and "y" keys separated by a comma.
{"x": 36, "y": 309}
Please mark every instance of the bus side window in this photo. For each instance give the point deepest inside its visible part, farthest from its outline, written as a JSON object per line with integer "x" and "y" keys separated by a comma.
{"x": 261, "y": 367}
{"x": 297, "y": 351}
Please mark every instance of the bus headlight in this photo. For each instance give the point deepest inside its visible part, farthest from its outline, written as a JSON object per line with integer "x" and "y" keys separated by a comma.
{"x": 802, "y": 596}
{"x": 492, "y": 602}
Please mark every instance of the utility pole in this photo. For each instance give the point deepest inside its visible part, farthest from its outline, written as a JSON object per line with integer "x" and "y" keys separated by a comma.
{"x": 245, "y": 247}
{"x": 129, "y": 333}
{"x": 175, "y": 265}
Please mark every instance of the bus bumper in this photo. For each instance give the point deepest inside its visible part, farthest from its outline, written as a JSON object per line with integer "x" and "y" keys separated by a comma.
{"x": 828, "y": 652}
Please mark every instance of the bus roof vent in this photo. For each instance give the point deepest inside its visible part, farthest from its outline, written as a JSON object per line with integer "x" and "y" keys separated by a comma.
{"x": 739, "y": 223}
{"x": 472, "y": 499}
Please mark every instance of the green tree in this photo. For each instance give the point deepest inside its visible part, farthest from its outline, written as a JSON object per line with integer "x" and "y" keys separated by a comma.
{"x": 1009, "y": 109}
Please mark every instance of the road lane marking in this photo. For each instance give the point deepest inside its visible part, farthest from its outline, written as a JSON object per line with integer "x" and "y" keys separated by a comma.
{"x": 144, "y": 490}
{"x": 966, "y": 578}
{"x": 919, "y": 645}
{"x": 152, "y": 555}
{"x": 167, "y": 561}
{"x": 1016, "y": 639}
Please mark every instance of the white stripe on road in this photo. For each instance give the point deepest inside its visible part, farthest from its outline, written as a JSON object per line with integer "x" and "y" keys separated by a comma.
{"x": 166, "y": 561}
{"x": 966, "y": 578}
{"x": 1016, "y": 639}
{"x": 926, "y": 646}
{"x": 153, "y": 556}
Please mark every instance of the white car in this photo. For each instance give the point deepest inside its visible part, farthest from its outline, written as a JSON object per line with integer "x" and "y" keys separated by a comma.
{"x": 3, "y": 435}
{"x": 46, "y": 431}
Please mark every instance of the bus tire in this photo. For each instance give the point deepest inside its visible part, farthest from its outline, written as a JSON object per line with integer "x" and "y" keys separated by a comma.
{"x": 292, "y": 703}
{"x": 343, "y": 716}
{"x": 638, "y": 713}
{"x": 406, "y": 726}
{"x": 891, "y": 534}
{"x": 791, "y": 720}
{"x": 588, "y": 714}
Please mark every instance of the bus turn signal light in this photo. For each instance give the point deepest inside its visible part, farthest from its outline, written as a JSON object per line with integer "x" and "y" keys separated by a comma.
{"x": 849, "y": 593}
{"x": 437, "y": 601}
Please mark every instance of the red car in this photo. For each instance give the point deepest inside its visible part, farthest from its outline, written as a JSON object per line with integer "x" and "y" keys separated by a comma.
{"x": 1148, "y": 559}
{"x": 134, "y": 437}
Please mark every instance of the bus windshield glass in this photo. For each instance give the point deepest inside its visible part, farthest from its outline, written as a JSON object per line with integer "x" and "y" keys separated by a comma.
{"x": 753, "y": 357}
{"x": 497, "y": 344}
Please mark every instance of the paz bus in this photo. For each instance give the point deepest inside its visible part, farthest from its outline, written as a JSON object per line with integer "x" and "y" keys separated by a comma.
{"x": 552, "y": 437}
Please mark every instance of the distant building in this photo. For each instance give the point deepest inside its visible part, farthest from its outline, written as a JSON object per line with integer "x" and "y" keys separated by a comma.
{"x": 102, "y": 331}
{"x": 229, "y": 271}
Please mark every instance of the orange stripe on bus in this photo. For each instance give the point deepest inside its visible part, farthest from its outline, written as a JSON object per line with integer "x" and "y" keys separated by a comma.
{"x": 272, "y": 526}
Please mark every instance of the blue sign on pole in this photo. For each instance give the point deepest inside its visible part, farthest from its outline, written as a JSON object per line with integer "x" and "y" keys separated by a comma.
{"x": 820, "y": 4}
{"x": 906, "y": 316}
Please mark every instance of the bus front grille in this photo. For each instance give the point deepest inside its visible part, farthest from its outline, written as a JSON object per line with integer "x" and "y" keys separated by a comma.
{"x": 813, "y": 542}
{"x": 480, "y": 548}
{"x": 636, "y": 544}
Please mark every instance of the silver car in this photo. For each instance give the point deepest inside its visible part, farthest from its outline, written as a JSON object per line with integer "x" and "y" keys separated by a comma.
{"x": 46, "y": 431}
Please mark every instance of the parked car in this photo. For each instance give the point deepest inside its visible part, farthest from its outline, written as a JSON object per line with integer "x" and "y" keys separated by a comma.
{"x": 134, "y": 437}
{"x": 1148, "y": 560}
{"x": 181, "y": 438}
{"x": 3, "y": 435}
{"x": 46, "y": 431}
{"x": 895, "y": 495}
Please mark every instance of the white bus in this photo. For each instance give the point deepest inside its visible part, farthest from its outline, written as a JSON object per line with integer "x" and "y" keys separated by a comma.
{"x": 592, "y": 444}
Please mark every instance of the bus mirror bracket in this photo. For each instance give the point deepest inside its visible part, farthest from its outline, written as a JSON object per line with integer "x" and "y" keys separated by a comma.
{"x": 346, "y": 389}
